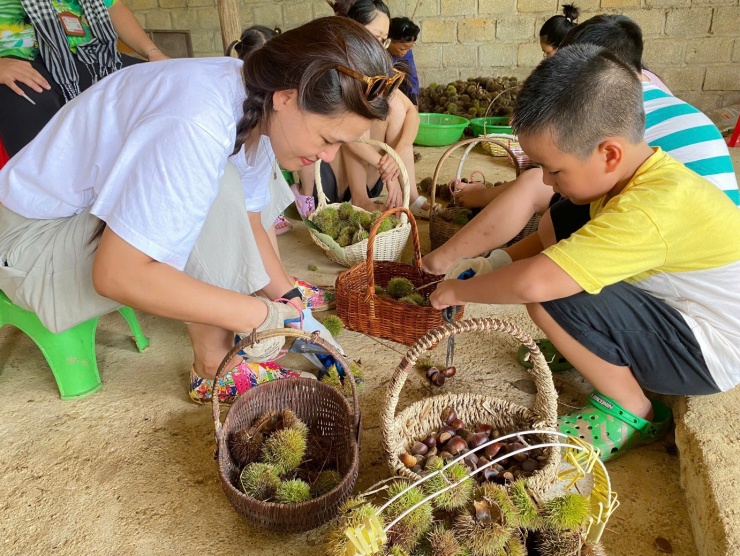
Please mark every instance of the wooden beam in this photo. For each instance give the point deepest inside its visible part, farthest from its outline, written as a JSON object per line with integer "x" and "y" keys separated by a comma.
{"x": 228, "y": 16}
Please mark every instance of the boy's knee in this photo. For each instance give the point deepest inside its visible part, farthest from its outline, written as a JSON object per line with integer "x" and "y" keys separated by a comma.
{"x": 536, "y": 312}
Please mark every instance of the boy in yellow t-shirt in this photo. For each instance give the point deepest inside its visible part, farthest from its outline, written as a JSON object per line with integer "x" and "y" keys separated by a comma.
{"x": 642, "y": 296}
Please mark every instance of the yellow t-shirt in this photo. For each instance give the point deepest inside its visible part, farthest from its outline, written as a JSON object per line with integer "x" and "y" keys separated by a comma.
{"x": 673, "y": 234}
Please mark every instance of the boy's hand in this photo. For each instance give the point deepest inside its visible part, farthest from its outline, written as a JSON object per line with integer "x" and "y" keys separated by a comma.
{"x": 446, "y": 295}
{"x": 480, "y": 265}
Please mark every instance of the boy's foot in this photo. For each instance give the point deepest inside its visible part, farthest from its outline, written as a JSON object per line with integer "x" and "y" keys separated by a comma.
{"x": 553, "y": 357}
{"x": 282, "y": 225}
{"x": 611, "y": 428}
{"x": 304, "y": 203}
{"x": 316, "y": 298}
{"x": 237, "y": 381}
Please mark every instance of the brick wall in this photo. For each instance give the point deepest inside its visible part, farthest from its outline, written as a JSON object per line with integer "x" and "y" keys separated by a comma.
{"x": 694, "y": 45}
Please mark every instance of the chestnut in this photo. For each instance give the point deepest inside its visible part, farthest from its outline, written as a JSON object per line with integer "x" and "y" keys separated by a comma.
{"x": 445, "y": 436}
{"x": 482, "y": 427}
{"x": 490, "y": 474}
{"x": 477, "y": 439}
{"x": 416, "y": 469}
{"x": 430, "y": 441}
{"x": 419, "y": 449}
{"x": 455, "y": 445}
{"x": 408, "y": 460}
{"x": 472, "y": 460}
{"x": 508, "y": 476}
{"x": 448, "y": 415}
{"x": 449, "y": 372}
{"x": 530, "y": 465}
{"x": 431, "y": 371}
{"x": 438, "y": 379}
{"x": 491, "y": 451}
{"x": 445, "y": 455}
{"x": 458, "y": 424}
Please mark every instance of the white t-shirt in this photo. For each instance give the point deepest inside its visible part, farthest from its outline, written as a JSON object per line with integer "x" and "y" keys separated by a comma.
{"x": 145, "y": 148}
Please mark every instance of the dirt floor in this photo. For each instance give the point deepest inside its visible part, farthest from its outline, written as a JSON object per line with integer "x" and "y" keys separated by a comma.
{"x": 130, "y": 469}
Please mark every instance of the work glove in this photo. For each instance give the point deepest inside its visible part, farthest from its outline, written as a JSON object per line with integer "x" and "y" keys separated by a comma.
{"x": 310, "y": 324}
{"x": 478, "y": 265}
{"x": 277, "y": 315}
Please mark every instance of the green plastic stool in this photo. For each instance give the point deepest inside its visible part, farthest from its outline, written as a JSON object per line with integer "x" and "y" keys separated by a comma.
{"x": 70, "y": 354}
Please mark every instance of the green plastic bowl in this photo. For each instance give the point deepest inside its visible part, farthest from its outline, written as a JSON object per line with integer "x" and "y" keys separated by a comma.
{"x": 497, "y": 124}
{"x": 437, "y": 130}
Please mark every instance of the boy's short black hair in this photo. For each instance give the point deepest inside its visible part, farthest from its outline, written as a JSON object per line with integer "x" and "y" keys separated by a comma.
{"x": 617, "y": 33}
{"x": 581, "y": 95}
{"x": 403, "y": 29}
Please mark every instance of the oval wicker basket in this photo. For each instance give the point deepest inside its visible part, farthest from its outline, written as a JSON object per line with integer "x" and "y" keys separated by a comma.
{"x": 440, "y": 230}
{"x": 390, "y": 243}
{"x": 322, "y": 408}
{"x": 362, "y": 310}
{"x": 401, "y": 430}
{"x": 512, "y": 142}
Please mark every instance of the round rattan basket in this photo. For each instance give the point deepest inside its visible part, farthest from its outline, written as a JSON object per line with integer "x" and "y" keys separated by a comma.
{"x": 390, "y": 244}
{"x": 323, "y": 409}
{"x": 401, "y": 430}
{"x": 362, "y": 310}
{"x": 440, "y": 230}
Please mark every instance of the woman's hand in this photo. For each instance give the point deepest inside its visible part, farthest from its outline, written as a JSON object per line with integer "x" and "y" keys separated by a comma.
{"x": 395, "y": 196}
{"x": 157, "y": 55}
{"x": 446, "y": 294}
{"x": 388, "y": 169}
{"x": 12, "y": 70}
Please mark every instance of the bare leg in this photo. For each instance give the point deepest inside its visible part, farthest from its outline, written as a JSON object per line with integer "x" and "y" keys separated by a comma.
{"x": 210, "y": 346}
{"x": 475, "y": 195}
{"x": 611, "y": 380}
{"x": 393, "y": 132}
{"x": 496, "y": 224}
{"x": 358, "y": 174}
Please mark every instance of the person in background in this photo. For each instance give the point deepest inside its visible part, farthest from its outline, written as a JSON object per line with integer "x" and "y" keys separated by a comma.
{"x": 51, "y": 51}
{"x": 359, "y": 172}
{"x": 553, "y": 31}
{"x": 150, "y": 211}
{"x": 675, "y": 126}
{"x": 403, "y": 34}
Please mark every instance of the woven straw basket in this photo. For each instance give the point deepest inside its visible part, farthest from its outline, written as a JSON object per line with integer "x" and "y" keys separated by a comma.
{"x": 512, "y": 142}
{"x": 361, "y": 309}
{"x": 390, "y": 243}
{"x": 440, "y": 230}
{"x": 401, "y": 430}
{"x": 322, "y": 408}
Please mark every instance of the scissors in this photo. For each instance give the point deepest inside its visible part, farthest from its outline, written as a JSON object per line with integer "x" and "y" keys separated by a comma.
{"x": 449, "y": 314}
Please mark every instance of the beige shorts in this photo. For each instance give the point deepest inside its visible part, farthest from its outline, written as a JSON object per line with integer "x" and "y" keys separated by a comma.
{"x": 46, "y": 265}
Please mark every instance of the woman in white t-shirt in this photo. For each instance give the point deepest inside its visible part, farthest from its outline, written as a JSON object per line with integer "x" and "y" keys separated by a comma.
{"x": 134, "y": 193}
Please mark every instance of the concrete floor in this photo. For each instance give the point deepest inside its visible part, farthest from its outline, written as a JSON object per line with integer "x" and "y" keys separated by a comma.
{"x": 130, "y": 470}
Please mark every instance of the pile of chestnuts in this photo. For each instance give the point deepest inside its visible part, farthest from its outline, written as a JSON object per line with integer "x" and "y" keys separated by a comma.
{"x": 453, "y": 439}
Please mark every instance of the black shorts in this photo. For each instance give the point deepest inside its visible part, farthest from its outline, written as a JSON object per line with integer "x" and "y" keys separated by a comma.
{"x": 330, "y": 189}
{"x": 21, "y": 121}
{"x": 628, "y": 327}
{"x": 567, "y": 217}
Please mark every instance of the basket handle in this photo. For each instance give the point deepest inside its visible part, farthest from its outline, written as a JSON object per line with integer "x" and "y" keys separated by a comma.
{"x": 496, "y": 141}
{"x": 545, "y": 401}
{"x": 405, "y": 186}
{"x": 255, "y": 337}
{"x": 472, "y": 142}
{"x": 370, "y": 262}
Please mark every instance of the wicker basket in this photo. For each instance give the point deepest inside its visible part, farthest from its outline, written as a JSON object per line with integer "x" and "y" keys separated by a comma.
{"x": 401, "y": 430}
{"x": 390, "y": 243}
{"x": 322, "y": 408}
{"x": 512, "y": 142}
{"x": 440, "y": 230}
{"x": 363, "y": 311}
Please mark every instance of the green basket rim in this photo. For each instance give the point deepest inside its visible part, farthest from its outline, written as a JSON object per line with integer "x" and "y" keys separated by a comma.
{"x": 464, "y": 122}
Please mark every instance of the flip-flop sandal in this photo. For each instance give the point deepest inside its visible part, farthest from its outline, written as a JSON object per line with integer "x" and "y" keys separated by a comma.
{"x": 305, "y": 204}
{"x": 554, "y": 358}
{"x": 282, "y": 225}
{"x": 612, "y": 429}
